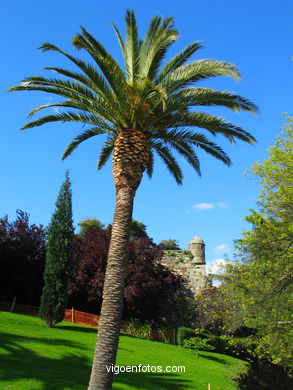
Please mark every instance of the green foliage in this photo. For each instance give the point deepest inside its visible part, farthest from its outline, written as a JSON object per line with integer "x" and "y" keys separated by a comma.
{"x": 162, "y": 334}
{"x": 257, "y": 291}
{"x": 88, "y": 224}
{"x": 198, "y": 343}
{"x": 184, "y": 333}
{"x": 138, "y": 230}
{"x": 170, "y": 244}
{"x": 276, "y": 178}
{"x": 58, "y": 258}
{"x": 171, "y": 253}
{"x": 180, "y": 254}
{"x": 202, "y": 339}
{"x": 135, "y": 327}
{"x": 189, "y": 254}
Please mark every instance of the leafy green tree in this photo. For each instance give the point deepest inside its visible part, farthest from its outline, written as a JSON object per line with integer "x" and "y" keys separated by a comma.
{"x": 138, "y": 230}
{"x": 143, "y": 110}
{"x": 58, "y": 258}
{"x": 276, "y": 178}
{"x": 257, "y": 291}
{"x": 88, "y": 224}
{"x": 170, "y": 244}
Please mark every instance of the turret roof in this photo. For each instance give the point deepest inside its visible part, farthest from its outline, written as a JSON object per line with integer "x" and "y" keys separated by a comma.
{"x": 196, "y": 240}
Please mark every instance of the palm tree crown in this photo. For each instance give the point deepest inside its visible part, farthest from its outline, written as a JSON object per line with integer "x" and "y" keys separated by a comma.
{"x": 148, "y": 101}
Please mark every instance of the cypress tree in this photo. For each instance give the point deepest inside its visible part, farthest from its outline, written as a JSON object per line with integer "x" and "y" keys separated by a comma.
{"x": 58, "y": 258}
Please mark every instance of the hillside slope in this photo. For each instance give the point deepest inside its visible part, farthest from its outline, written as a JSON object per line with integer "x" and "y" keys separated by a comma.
{"x": 34, "y": 357}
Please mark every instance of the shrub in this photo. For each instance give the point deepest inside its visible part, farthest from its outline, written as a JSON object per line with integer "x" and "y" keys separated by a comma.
{"x": 198, "y": 343}
{"x": 184, "y": 333}
{"x": 240, "y": 347}
{"x": 137, "y": 328}
{"x": 171, "y": 253}
{"x": 189, "y": 254}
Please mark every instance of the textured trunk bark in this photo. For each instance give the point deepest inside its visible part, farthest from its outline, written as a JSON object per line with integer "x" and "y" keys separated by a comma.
{"x": 110, "y": 320}
{"x": 131, "y": 151}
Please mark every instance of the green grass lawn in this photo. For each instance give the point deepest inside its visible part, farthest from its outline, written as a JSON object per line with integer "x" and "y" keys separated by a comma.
{"x": 34, "y": 357}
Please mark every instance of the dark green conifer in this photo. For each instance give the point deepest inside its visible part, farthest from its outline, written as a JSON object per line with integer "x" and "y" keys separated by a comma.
{"x": 58, "y": 258}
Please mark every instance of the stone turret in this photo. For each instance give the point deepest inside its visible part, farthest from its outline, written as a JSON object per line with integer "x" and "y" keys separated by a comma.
{"x": 197, "y": 248}
{"x": 191, "y": 266}
{"x": 198, "y": 271}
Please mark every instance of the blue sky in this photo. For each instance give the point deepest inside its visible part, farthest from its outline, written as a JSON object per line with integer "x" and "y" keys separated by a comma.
{"x": 255, "y": 35}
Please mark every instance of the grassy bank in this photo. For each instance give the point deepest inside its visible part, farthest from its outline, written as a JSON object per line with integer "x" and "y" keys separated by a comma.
{"x": 33, "y": 357}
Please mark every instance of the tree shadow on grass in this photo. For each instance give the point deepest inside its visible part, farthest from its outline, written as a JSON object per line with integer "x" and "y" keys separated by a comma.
{"x": 77, "y": 328}
{"x": 19, "y": 362}
{"x": 9, "y": 341}
{"x": 154, "y": 381}
{"x": 214, "y": 358}
{"x": 70, "y": 370}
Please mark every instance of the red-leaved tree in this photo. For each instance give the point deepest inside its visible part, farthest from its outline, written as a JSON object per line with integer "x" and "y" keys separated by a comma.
{"x": 151, "y": 289}
{"x": 22, "y": 259}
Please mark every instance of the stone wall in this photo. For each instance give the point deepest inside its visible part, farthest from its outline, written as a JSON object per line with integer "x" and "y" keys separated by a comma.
{"x": 185, "y": 264}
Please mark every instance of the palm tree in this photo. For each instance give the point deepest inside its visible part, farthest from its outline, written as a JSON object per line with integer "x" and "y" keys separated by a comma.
{"x": 145, "y": 110}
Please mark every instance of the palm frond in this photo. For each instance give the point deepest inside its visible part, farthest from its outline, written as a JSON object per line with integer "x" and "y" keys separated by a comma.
{"x": 106, "y": 151}
{"x": 216, "y": 125}
{"x": 186, "y": 151}
{"x": 188, "y": 97}
{"x": 87, "y": 68}
{"x": 131, "y": 47}
{"x": 80, "y": 97}
{"x": 108, "y": 65}
{"x": 150, "y": 164}
{"x": 213, "y": 124}
{"x": 196, "y": 139}
{"x": 65, "y": 88}
{"x": 44, "y": 106}
{"x": 95, "y": 82}
{"x": 122, "y": 45}
{"x": 165, "y": 154}
{"x": 160, "y": 35}
{"x": 98, "y": 108}
{"x": 211, "y": 148}
{"x": 69, "y": 116}
{"x": 83, "y": 137}
{"x": 149, "y": 98}
{"x": 198, "y": 70}
{"x": 178, "y": 60}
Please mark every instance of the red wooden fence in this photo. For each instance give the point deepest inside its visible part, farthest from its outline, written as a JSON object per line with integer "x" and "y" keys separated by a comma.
{"x": 79, "y": 317}
{"x": 82, "y": 318}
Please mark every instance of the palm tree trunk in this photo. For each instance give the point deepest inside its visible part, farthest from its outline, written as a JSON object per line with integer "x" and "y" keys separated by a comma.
{"x": 113, "y": 292}
{"x": 130, "y": 158}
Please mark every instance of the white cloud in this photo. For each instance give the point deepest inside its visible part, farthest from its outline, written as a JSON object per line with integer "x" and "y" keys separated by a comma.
{"x": 203, "y": 206}
{"x": 208, "y": 206}
{"x": 222, "y": 248}
{"x": 216, "y": 266}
